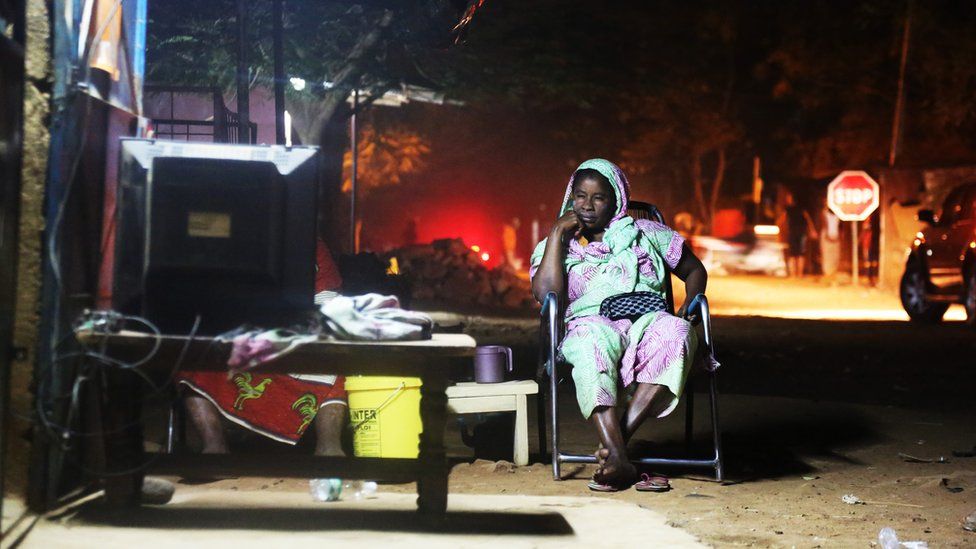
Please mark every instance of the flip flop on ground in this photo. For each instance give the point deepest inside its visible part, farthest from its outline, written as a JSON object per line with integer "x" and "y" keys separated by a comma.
{"x": 652, "y": 483}
{"x": 597, "y": 486}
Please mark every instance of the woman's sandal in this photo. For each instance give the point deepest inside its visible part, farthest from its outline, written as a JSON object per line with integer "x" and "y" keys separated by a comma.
{"x": 655, "y": 483}
{"x": 600, "y": 487}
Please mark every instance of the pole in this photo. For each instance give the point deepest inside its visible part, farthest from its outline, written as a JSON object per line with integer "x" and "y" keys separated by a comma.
{"x": 757, "y": 188}
{"x": 897, "y": 121}
{"x": 854, "y": 266}
{"x": 243, "y": 93}
{"x": 279, "y": 70}
{"x": 355, "y": 160}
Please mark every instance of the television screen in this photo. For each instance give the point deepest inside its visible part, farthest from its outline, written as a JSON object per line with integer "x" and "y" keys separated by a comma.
{"x": 223, "y": 231}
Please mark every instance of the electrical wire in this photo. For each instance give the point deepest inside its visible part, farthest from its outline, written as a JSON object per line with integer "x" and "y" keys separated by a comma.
{"x": 88, "y": 372}
{"x": 92, "y": 363}
{"x": 53, "y": 240}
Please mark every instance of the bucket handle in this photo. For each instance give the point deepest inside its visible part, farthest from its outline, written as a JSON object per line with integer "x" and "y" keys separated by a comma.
{"x": 508, "y": 351}
{"x": 384, "y": 403}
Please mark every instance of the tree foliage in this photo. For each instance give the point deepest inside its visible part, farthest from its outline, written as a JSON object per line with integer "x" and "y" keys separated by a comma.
{"x": 384, "y": 157}
{"x": 683, "y": 94}
{"x": 334, "y": 47}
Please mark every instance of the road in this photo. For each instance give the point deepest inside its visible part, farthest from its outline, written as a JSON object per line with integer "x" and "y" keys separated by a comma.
{"x": 822, "y": 390}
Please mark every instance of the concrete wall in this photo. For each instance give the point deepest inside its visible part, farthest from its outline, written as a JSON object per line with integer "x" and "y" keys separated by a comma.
{"x": 36, "y": 137}
{"x": 34, "y": 168}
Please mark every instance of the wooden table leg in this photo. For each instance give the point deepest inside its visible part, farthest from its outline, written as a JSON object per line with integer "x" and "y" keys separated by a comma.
{"x": 432, "y": 481}
{"x": 123, "y": 439}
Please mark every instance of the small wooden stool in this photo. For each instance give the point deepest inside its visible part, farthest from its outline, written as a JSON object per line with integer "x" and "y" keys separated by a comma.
{"x": 509, "y": 396}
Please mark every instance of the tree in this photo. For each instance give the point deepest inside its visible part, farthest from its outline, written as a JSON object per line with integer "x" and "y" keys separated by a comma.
{"x": 385, "y": 157}
{"x": 332, "y": 47}
{"x": 688, "y": 116}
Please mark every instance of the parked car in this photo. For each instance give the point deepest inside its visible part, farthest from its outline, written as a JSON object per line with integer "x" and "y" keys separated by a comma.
{"x": 755, "y": 251}
{"x": 941, "y": 268}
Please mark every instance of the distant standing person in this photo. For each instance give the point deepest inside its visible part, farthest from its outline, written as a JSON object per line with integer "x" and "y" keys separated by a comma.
{"x": 865, "y": 240}
{"x": 829, "y": 244}
{"x": 510, "y": 244}
{"x": 409, "y": 235}
{"x": 799, "y": 228}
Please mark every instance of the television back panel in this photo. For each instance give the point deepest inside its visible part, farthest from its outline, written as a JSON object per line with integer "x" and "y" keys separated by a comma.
{"x": 226, "y": 232}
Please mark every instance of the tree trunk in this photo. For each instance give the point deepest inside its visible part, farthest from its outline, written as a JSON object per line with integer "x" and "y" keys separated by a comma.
{"x": 333, "y": 140}
{"x": 696, "y": 178}
{"x": 717, "y": 183}
{"x": 347, "y": 78}
{"x": 322, "y": 122}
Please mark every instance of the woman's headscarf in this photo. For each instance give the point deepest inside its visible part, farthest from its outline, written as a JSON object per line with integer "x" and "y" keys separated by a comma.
{"x": 616, "y": 177}
{"x": 615, "y": 258}
{"x": 611, "y": 267}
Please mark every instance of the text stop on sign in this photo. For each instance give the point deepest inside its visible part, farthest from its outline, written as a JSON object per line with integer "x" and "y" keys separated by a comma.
{"x": 853, "y": 196}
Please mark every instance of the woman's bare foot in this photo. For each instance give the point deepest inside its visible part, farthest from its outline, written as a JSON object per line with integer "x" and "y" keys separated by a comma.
{"x": 601, "y": 455}
{"x": 615, "y": 470}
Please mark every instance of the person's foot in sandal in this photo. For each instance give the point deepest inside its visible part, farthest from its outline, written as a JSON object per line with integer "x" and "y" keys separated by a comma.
{"x": 652, "y": 483}
{"x": 601, "y": 455}
{"x": 597, "y": 486}
{"x": 616, "y": 471}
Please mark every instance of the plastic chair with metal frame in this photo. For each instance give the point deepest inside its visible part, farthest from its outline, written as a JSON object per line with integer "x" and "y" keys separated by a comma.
{"x": 552, "y": 330}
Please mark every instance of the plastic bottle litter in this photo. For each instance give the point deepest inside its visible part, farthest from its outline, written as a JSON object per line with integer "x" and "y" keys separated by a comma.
{"x": 888, "y": 539}
{"x": 325, "y": 489}
{"x": 359, "y": 489}
{"x": 331, "y": 489}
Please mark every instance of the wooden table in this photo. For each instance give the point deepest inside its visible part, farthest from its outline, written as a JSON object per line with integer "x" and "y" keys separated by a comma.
{"x": 118, "y": 415}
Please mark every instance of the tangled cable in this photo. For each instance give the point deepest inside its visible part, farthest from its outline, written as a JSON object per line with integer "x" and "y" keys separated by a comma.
{"x": 91, "y": 369}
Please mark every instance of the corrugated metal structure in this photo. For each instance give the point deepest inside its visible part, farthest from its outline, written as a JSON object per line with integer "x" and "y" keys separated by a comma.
{"x": 99, "y": 62}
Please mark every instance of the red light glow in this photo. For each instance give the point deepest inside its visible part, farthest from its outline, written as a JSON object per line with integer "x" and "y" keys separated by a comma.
{"x": 485, "y": 256}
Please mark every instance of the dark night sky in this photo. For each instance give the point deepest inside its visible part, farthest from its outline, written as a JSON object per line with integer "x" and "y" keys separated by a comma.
{"x": 809, "y": 86}
{"x": 811, "y": 89}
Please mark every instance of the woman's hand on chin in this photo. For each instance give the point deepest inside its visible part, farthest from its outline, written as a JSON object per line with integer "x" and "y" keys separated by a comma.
{"x": 567, "y": 224}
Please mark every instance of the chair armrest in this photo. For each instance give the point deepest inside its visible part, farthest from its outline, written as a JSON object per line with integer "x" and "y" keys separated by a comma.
{"x": 550, "y": 324}
{"x": 551, "y": 300}
{"x": 697, "y": 309}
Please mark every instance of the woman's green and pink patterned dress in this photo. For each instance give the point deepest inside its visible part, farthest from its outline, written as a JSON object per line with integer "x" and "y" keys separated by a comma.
{"x": 607, "y": 355}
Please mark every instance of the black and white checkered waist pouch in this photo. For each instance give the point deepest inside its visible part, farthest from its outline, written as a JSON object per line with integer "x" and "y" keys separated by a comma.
{"x": 632, "y": 306}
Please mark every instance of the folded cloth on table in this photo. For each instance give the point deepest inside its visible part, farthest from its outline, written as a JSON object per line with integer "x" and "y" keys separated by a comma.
{"x": 256, "y": 347}
{"x": 374, "y": 317}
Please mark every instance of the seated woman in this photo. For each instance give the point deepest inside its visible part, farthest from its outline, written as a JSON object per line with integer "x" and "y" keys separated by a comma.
{"x": 596, "y": 251}
{"x": 278, "y": 406}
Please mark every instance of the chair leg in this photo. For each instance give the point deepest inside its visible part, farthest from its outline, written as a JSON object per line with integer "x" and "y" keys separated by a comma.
{"x": 689, "y": 413}
{"x": 554, "y": 419}
{"x": 716, "y": 428}
{"x": 176, "y": 425}
{"x": 171, "y": 426}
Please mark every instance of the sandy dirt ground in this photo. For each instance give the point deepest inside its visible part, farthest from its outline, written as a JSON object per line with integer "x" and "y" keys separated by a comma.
{"x": 822, "y": 390}
{"x": 265, "y": 518}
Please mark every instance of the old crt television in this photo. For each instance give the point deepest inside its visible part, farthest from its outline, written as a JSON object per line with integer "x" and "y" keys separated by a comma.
{"x": 223, "y": 231}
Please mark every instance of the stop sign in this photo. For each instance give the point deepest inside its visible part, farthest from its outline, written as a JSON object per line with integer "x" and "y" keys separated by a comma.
{"x": 853, "y": 196}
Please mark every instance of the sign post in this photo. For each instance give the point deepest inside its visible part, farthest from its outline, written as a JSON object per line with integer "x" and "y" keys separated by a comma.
{"x": 853, "y": 196}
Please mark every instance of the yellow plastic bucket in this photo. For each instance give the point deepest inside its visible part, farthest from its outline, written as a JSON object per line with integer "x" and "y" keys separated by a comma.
{"x": 384, "y": 413}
